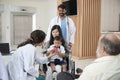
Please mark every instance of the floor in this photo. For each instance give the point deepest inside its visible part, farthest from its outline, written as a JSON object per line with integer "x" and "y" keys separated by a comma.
{"x": 82, "y": 63}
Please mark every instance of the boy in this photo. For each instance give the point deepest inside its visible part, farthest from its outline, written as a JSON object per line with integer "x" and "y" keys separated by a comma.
{"x": 59, "y": 53}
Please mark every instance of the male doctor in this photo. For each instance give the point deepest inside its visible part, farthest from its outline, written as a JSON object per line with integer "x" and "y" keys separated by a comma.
{"x": 66, "y": 24}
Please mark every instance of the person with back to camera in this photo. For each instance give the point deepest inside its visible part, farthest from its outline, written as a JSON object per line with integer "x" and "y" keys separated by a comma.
{"x": 66, "y": 24}
{"x": 57, "y": 49}
{"x": 21, "y": 65}
{"x": 107, "y": 65}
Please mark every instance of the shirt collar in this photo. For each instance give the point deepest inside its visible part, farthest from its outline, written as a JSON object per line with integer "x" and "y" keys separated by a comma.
{"x": 106, "y": 58}
{"x": 57, "y": 47}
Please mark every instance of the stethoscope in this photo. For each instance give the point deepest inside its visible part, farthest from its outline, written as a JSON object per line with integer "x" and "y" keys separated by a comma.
{"x": 66, "y": 18}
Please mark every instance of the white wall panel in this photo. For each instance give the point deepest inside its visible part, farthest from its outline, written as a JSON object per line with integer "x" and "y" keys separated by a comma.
{"x": 45, "y": 11}
{"x": 110, "y": 10}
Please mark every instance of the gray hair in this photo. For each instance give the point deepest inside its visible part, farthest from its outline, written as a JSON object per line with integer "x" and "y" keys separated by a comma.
{"x": 110, "y": 44}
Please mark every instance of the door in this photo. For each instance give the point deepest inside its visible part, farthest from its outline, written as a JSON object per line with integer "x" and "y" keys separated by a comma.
{"x": 22, "y": 27}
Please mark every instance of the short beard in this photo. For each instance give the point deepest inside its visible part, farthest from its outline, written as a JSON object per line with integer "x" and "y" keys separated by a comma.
{"x": 62, "y": 14}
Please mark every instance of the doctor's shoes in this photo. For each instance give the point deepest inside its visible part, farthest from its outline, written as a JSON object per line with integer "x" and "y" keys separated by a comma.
{"x": 54, "y": 75}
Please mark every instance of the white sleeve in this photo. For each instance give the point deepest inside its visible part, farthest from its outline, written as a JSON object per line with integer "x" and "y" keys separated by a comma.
{"x": 31, "y": 70}
{"x": 41, "y": 60}
{"x": 88, "y": 75}
{"x": 62, "y": 49}
{"x": 49, "y": 30}
{"x": 48, "y": 34}
{"x": 52, "y": 23}
{"x": 29, "y": 66}
{"x": 72, "y": 31}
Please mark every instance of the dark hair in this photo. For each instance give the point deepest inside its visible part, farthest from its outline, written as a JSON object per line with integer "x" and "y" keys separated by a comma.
{"x": 36, "y": 36}
{"x": 60, "y": 34}
{"x": 111, "y": 47}
{"x": 62, "y": 6}
{"x": 58, "y": 38}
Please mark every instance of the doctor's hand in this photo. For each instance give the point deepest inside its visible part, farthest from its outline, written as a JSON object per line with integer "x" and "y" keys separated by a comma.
{"x": 42, "y": 73}
{"x": 50, "y": 55}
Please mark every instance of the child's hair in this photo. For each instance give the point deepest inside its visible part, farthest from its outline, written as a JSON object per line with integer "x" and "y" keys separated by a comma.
{"x": 58, "y": 38}
{"x": 36, "y": 36}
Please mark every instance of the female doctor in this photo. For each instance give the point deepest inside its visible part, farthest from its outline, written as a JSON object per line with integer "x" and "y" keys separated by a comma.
{"x": 21, "y": 66}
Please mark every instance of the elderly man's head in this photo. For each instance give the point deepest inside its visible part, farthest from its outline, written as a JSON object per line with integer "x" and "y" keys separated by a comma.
{"x": 109, "y": 44}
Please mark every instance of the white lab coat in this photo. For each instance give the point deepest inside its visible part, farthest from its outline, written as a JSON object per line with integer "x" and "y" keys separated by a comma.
{"x": 21, "y": 66}
{"x": 70, "y": 26}
{"x": 3, "y": 71}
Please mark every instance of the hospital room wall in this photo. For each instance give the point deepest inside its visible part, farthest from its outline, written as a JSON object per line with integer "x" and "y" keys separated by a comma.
{"x": 45, "y": 10}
